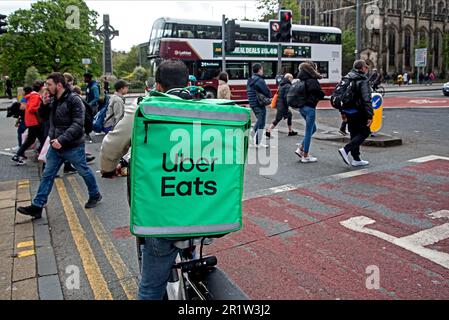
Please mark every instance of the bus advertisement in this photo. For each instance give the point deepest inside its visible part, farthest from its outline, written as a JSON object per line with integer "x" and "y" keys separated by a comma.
{"x": 198, "y": 44}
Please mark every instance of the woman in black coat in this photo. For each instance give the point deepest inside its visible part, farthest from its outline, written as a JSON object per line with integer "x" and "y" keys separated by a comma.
{"x": 282, "y": 107}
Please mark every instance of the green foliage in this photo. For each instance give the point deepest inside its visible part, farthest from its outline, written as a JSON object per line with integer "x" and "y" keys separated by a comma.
{"x": 140, "y": 74}
{"x": 446, "y": 54}
{"x": 31, "y": 75}
{"x": 125, "y": 63}
{"x": 268, "y": 9}
{"x": 349, "y": 46}
{"x": 39, "y": 34}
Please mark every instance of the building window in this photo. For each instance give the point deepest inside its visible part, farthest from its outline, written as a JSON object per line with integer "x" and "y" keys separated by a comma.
{"x": 392, "y": 47}
{"x": 407, "y": 47}
{"x": 308, "y": 13}
{"x": 436, "y": 49}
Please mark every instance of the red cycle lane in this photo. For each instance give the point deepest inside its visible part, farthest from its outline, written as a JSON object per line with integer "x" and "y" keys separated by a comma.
{"x": 404, "y": 102}
{"x": 382, "y": 235}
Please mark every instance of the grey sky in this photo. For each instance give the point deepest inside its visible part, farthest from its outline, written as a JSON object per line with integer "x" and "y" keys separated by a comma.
{"x": 134, "y": 18}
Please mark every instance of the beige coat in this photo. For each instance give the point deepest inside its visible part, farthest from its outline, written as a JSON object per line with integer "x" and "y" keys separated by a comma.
{"x": 116, "y": 110}
{"x": 224, "y": 92}
{"x": 117, "y": 142}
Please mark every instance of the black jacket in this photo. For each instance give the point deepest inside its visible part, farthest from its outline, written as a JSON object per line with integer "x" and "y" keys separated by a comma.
{"x": 284, "y": 87}
{"x": 313, "y": 88}
{"x": 256, "y": 84}
{"x": 362, "y": 93}
{"x": 67, "y": 120}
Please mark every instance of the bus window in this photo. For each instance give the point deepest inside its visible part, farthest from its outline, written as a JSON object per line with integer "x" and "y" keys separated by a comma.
{"x": 208, "y": 32}
{"x": 238, "y": 70}
{"x": 251, "y": 34}
{"x": 269, "y": 68}
{"x": 330, "y": 38}
{"x": 323, "y": 68}
{"x": 207, "y": 70}
{"x": 289, "y": 67}
{"x": 168, "y": 30}
{"x": 184, "y": 31}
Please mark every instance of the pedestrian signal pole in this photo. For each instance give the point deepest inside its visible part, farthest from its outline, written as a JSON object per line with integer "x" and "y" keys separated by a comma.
{"x": 223, "y": 43}
{"x": 358, "y": 30}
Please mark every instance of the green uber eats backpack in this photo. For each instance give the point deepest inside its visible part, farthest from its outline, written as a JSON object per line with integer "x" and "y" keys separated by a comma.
{"x": 187, "y": 167}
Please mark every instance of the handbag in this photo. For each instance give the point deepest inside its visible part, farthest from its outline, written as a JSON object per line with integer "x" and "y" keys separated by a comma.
{"x": 43, "y": 154}
{"x": 262, "y": 99}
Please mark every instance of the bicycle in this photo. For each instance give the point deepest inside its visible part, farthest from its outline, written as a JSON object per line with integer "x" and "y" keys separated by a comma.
{"x": 196, "y": 277}
{"x": 378, "y": 89}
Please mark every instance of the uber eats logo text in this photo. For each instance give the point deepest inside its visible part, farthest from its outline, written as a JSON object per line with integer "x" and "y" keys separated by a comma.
{"x": 171, "y": 186}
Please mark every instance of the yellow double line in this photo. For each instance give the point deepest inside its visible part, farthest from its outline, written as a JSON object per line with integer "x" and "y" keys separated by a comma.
{"x": 94, "y": 275}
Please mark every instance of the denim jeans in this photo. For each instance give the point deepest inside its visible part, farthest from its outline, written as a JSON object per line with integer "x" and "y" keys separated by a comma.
{"x": 309, "y": 114}
{"x": 55, "y": 159}
{"x": 261, "y": 115}
{"x": 20, "y": 130}
{"x": 158, "y": 257}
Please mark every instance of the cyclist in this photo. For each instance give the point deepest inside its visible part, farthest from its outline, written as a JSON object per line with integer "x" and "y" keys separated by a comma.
{"x": 196, "y": 92}
{"x": 375, "y": 79}
{"x": 159, "y": 254}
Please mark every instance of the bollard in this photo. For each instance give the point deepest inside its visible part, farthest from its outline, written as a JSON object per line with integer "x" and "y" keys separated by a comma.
{"x": 377, "y": 101}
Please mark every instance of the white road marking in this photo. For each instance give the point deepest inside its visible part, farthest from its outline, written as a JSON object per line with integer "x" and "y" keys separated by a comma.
{"x": 428, "y": 158}
{"x": 7, "y": 153}
{"x": 414, "y": 243}
{"x": 351, "y": 174}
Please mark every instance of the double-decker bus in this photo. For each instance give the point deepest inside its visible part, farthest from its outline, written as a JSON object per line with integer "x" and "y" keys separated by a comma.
{"x": 198, "y": 44}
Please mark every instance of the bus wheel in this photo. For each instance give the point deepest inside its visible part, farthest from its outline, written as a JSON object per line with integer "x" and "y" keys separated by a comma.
{"x": 211, "y": 93}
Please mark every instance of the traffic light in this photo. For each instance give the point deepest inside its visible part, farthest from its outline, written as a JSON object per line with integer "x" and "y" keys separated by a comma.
{"x": 3, "y": 23}
{"x": 230, "y": 30}
{"x": 285, "y": 26}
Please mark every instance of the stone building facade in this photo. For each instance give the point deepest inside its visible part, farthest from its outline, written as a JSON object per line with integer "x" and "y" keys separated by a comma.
{"x": 389, "y": 41}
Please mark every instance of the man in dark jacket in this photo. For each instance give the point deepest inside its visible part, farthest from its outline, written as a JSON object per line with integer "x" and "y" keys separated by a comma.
{"x": 360, "y": 117}
{"x": 92, "y": 92}
{"x": 313, "y": 94}
{"x": 66, "y": 143}
{"x": 8, "y": 85}
{"x": 282, "y": 107}
{"x": 257, "y": 86}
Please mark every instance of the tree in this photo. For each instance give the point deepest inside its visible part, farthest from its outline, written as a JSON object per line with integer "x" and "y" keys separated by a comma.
{"x": 125, "y": 63}
{"x": 45, "y": 31}
{"x": 349, "y": 45}
{"x": 140, "y": 74}
{"x": 446, "y": 54}
{"x": 31, "y": 75}
{"x": 269, "y": 9}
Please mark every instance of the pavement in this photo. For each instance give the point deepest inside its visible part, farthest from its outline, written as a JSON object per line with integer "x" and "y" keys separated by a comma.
{"x": 28, "y": 268}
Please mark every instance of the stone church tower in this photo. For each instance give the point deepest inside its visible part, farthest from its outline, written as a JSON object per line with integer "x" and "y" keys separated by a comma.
{"x": 402, "y": 25}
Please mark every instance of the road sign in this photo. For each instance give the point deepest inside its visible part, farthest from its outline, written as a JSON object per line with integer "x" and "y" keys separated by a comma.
{"x": 377, "y": 103}
{"x": 86, "y": 61}
{"x": 421, "y": 57}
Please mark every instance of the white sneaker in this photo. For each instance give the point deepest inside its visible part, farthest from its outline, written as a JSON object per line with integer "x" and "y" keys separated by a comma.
{"x": 299, "y": 153}
{"x": 360, "y": 163}
{"x": 262, "y": 145}
{"x": 344, "y": 155}
{"x": 309, "y": 159}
